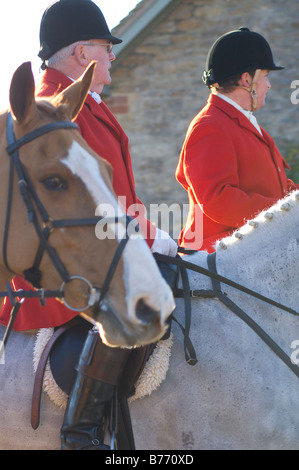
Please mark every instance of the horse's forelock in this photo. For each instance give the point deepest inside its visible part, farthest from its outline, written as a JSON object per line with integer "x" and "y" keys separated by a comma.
{"x": 52, "y": 108}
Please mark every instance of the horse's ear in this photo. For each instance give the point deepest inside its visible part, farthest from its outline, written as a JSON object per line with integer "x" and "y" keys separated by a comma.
{"x": 74, "y": 96}
{"x": 21, "y": 94}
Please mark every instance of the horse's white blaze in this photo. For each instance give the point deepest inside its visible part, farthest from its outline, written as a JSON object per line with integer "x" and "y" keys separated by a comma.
{"x": 141, "y": 275}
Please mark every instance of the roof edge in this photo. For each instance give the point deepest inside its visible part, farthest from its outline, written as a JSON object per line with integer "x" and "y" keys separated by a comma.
{"x": 135, "y": 30}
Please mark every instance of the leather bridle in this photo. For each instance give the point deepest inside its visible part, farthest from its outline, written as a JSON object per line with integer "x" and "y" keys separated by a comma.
{"x": 34, "y": 206}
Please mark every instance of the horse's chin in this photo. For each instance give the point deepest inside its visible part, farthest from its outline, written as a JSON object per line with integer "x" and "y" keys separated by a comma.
{"x": 120, "y": 333}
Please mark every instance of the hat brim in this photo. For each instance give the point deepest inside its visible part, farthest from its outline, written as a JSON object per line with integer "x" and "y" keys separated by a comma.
{"x": 115, "y": 40}
{"x": 277, "y": 67}
{"x": 109, "y": 37}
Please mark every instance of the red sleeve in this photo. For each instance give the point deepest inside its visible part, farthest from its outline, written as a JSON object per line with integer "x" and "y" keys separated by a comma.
{"x": 292, "y": 186}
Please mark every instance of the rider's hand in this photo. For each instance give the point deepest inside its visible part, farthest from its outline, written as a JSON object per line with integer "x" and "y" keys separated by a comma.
{"x": 164, "y": 244}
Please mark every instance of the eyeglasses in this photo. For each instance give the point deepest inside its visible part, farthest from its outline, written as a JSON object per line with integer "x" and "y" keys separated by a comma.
{"x": 109, "y": 46}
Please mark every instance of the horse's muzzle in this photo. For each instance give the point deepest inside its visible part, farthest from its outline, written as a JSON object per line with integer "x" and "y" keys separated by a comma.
{"x": 142, "y": 327}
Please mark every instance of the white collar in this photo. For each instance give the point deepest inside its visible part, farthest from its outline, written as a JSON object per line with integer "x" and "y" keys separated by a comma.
{"x": 246, "y": 113}
{"x": 95, "y": 96}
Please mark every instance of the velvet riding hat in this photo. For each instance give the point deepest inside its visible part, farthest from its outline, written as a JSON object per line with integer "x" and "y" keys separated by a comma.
{"x": 68, "y": 21}
{"x": 237, "y": 52}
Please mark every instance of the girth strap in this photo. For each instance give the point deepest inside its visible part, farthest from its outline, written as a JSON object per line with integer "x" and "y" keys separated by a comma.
{"x": 249, "y": 321}
{"x": 216, "y": 292}
{"x": 206, "y": 272}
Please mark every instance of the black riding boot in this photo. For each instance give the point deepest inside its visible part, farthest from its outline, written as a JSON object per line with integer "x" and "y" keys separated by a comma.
{"x": 98, "y": 373}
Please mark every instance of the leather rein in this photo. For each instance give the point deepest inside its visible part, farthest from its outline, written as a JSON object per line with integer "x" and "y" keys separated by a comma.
{"x": 216, "y": 292}
{"x": 34, "y": 206}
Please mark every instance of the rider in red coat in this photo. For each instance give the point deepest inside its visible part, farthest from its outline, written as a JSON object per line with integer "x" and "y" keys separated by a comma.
{"x": 94, "y": 120}
{"x": 72, "y": 34}
{"x": 106, "y": 137}
{"x": 229, "y": 165}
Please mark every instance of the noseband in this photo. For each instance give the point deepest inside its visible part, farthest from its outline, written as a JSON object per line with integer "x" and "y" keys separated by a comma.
{"x": 34, "y": 206}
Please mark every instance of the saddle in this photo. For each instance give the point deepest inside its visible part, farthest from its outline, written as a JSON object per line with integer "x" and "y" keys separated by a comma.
{"x": 63, "y": 352}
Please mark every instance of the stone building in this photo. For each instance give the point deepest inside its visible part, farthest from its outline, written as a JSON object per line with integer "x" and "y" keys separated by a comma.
{"x": 157, "y": 88}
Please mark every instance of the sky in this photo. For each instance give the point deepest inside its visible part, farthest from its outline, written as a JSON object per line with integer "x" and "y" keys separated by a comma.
{"x": 19, "y": 33}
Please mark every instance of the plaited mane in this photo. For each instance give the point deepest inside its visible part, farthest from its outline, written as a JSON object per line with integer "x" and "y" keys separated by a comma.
{"x": 265, "y": 222}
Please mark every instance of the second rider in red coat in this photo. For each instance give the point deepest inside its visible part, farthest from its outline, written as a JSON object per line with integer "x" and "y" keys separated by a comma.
{"x": 229, "y": 165}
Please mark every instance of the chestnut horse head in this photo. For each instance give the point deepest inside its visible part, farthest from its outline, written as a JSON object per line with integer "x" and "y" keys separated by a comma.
{"x": 53, "y": 186}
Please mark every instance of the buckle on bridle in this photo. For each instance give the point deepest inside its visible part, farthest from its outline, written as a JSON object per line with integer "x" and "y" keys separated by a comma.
{"x": 48, "y": 225}
{"x": 93, "y": 294}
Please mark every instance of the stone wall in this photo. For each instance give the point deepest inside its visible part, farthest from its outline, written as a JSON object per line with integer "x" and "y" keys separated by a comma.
{"x": 157, "y": 90}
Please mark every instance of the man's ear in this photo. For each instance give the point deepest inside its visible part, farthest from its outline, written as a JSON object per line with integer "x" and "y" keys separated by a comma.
{"x": 245, "y": 79}
{"x": 80, "y": 53}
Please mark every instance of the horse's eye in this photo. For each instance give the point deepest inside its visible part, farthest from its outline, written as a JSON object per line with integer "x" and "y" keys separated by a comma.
{"x": 54, "y": 183}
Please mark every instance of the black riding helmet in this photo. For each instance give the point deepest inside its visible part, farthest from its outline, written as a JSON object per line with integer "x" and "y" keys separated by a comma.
{"x": 237, "y": 52}
{"x": 68, "y": 21}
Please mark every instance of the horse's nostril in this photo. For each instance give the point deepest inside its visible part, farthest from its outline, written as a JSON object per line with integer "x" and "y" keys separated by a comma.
{"x": 145, "y": 313}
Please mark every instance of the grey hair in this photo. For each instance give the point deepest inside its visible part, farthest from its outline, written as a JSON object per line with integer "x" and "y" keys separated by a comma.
{"x": 60, "y": 56}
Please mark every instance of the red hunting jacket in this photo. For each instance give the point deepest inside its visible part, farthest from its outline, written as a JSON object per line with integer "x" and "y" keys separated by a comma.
{"x": 106, "y": 137}
{"x": 230, "y": 171}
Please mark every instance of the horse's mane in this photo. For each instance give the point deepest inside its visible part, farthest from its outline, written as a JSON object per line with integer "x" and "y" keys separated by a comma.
{"x": 265, "y": 222}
